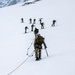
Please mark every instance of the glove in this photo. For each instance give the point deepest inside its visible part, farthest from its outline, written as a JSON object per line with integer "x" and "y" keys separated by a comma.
{"x": 45, "y": 47}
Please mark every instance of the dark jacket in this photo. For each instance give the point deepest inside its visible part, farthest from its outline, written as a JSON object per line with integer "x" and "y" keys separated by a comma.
{"x": 38, "y": 42}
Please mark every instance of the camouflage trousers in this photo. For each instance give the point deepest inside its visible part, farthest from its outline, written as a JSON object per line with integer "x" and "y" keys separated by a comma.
{"x": 37, "y": 53}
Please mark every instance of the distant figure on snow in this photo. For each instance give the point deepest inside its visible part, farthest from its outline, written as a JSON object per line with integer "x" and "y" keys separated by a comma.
{"x": 53, "y": 24}
{"x": 30, "y": 20}
{"x": 34, "y": 21}
{"x": 22, "y": 20}
{"x": 42, "y": 25}
{"x": 32, "y": 27}
{"x": 26, "y": 29}
{"x": 40, "y": 20}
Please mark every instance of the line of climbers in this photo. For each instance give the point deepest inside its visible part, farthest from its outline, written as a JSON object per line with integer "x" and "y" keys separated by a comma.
{"x": 33, "y": 22}
{"x": 39, "y": 40}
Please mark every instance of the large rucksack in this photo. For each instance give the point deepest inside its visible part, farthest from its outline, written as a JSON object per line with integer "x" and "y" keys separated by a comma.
{"x": 39, "y": 40}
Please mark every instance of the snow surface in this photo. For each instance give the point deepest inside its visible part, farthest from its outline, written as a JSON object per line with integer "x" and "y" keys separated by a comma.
{"x": 60, "y": 39}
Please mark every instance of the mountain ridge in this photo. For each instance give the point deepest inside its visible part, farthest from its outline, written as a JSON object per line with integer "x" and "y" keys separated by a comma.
{"x": 5, "y": 3}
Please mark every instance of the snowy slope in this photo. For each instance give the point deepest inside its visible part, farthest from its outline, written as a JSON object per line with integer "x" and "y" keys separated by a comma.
{"x": 60, "y": 39}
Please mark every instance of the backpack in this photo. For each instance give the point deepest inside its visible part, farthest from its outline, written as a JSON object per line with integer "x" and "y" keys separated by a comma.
{"x": 39, "y": 40}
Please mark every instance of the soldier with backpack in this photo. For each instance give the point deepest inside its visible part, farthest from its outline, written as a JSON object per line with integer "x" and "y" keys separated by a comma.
{"x": 39, "y": 40}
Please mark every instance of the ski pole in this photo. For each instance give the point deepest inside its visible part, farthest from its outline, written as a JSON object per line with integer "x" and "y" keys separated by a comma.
{"x": 46, "y": 52}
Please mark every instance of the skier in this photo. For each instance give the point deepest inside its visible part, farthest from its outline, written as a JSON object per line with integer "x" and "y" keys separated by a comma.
{"x": 53, "y": 24}
{"x": 39, "y": 40}
{"x": 22, "y": 21}
{"x": 26, "y": 29}
{"x": 32, "y": 26}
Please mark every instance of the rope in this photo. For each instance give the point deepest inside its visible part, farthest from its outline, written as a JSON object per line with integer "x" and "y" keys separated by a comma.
{"x": 29, "y": 48}
{"x": 20, "y": 64}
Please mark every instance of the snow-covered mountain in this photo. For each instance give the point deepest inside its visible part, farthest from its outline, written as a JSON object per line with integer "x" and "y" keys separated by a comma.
{"x": 4, "y": 3}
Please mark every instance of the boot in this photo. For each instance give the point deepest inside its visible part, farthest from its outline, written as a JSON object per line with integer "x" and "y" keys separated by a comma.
{"x": 37, "y": 58}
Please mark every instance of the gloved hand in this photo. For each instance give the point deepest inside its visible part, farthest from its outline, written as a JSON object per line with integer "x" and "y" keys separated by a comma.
{"x": 45, "y": 47}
